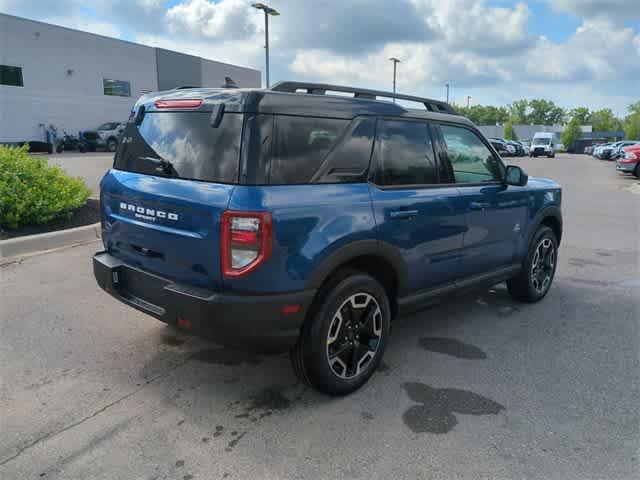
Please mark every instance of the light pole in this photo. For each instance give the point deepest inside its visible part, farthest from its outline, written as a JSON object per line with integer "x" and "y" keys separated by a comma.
{"x": 468, "y": 100}
{"x": 267, "y": 11}
{"x": 395, "y": 61}
{"x": 447, "y": 85}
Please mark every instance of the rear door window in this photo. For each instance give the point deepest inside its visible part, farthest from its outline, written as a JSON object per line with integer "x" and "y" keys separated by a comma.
{"x": 300, "y": 147}
{"x": 182, "y": 145}
{"x": 404, "y": 154}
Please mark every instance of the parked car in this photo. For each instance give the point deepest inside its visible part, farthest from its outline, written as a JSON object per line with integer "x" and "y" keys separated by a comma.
{"x": 542, "y": 144}
{"x": 608, "y": 151}
{"x": 519, "y": 149}
{"x": 629, "y": 162}
{"x": 502, "y": 147}
{"x": 269, "y": 231}
{"x": 618, "y": 150}
{"x": 106, "y": 136}
{"x": 588, "y": 150}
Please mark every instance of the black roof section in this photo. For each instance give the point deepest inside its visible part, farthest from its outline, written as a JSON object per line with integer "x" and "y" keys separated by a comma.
{"x": 309, "y": 99}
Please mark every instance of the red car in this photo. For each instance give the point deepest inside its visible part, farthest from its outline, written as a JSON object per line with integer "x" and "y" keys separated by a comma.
{"x": 630, "y": 161}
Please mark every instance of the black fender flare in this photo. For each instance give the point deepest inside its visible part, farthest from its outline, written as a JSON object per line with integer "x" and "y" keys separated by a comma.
{"x": 549, "y": 211}
{"x": 357, "y": 249}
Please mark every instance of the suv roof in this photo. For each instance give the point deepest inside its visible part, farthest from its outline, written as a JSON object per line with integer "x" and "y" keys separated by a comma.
{"x": 308, "y": 99}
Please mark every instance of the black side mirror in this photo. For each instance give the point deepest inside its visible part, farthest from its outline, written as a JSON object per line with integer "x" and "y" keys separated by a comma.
{"x": 516, "y": 176}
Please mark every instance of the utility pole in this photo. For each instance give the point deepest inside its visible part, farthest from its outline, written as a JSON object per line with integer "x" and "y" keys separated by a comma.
{"x": 447, "y": 85}
{"x": 395, "y": 61}
{"x": 468, "y": 100}
{"x": 267, "y": 11}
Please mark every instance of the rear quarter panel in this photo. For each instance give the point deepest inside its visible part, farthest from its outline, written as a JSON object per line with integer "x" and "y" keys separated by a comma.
{"x": 310, "y": 223}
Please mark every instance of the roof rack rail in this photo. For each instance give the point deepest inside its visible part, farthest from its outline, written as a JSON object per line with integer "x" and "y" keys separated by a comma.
{"x": 322, "y": 88}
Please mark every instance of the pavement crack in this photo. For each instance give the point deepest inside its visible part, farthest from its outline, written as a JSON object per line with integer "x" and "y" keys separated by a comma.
{"x": 51, "y": 435}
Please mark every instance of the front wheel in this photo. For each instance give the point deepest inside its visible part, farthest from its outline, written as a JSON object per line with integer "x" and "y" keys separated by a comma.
{"x": 636, "y": 172}
{"x": 343, "y": 339}
{"x": 112, "y": 145}
{"x": 538, "y": 269}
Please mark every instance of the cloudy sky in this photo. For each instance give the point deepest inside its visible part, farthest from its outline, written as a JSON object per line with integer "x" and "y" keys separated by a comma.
{"x": 575, "y": 52}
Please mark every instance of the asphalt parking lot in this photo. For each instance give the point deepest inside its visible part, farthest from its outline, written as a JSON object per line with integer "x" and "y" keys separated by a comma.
{"x": 477, "y": 386}
{"x": 90, "y": 166}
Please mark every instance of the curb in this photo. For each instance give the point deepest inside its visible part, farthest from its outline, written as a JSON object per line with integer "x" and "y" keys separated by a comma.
{"x": 48, "y": 241}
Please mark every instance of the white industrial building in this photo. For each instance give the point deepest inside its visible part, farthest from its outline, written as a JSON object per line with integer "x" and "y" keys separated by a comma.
{"x": 77, "y": 80}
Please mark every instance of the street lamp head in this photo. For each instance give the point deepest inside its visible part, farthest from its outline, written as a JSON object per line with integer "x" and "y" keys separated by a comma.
{"x": 267, "y": 9}
{"x": 396, "y": 60}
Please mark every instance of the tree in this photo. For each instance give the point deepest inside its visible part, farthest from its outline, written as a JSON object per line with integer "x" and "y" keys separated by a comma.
{"x": 571, "y": 133}
{"x": 509, "y": 131}
{"x": 581, "y": 115}
{"x": 605, "y": 121}
{"x": 544, "y": 112}
{"x": 485, "y": 114}
{"x": 632, "y": 122}
{"x": 518, "y": 110}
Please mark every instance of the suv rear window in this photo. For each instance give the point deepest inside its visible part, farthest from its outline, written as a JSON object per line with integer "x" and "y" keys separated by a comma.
{"x": 300, "y": 146}
{"x": 182, "y": 145}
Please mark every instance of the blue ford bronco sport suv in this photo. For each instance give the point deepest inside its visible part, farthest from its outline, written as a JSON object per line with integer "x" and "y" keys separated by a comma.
{"x": 296, "y": 219}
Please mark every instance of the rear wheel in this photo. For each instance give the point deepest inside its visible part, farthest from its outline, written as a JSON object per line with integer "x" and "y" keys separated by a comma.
{"x": 538, "y": 269}
{"x": 343, "y": 339}
{"x": 112, "y": 145}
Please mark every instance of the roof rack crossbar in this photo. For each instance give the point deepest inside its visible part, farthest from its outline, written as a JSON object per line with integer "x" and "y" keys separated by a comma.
{"x": 322, "y": 88}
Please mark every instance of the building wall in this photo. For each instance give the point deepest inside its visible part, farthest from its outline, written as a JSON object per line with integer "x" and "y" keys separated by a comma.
{"x": 524, "y": 132}
{"x": 177, "y": 70}
{"x": 63, "y": 72}
{"x": 213, "y": 74}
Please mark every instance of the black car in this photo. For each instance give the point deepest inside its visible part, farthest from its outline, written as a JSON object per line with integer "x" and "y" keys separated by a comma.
{"x": 503, "y": 148}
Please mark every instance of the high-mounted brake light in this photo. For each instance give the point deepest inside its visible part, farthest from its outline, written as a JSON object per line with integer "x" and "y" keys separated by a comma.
{"x": 245, "y": 241}
{"x": 179, "y": 103}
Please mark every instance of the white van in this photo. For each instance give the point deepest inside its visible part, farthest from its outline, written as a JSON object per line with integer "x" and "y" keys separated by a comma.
{"x": 542, "y": 144}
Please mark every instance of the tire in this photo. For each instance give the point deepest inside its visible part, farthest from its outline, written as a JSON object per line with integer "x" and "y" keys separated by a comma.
{"x": 112, "y": 145}
{"x": 636, "y": 172}
{"x": 351, "y": 298}
{"x": 530, "y": 288}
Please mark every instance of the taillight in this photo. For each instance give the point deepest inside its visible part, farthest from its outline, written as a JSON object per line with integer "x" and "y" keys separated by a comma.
{"x": 246, "y": 240}
{"x": 630, "y": 156}
{"x": 179, "y": 103}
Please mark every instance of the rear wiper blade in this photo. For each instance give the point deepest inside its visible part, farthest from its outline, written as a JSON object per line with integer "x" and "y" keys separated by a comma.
{"x": 165, "y": 166}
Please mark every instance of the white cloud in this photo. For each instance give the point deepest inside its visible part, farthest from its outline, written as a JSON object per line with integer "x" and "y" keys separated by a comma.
{"x": 227, "y": 19}
{"x": 471, "y": 25}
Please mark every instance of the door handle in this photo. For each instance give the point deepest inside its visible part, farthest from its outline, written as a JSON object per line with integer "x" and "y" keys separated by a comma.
{"x": 399, "y": 214}
{"x": 479, "y": 205}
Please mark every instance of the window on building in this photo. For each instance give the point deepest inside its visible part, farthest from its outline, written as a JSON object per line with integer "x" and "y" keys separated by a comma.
{"x": 404, "y": 154}
{"x": 11, "y": 76}
{"x": 119, "y": 88}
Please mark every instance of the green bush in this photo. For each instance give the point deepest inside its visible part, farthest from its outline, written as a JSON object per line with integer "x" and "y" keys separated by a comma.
{"x": 32, "y": 191}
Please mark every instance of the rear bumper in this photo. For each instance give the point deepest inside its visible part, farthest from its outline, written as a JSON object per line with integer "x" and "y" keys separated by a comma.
{"x": 251, "y": 322}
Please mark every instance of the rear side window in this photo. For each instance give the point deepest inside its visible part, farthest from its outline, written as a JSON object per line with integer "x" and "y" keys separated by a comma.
{"x": 404, "y": 154}
{"x": 300, "y": 147}
{"x": 183, "y": 145}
